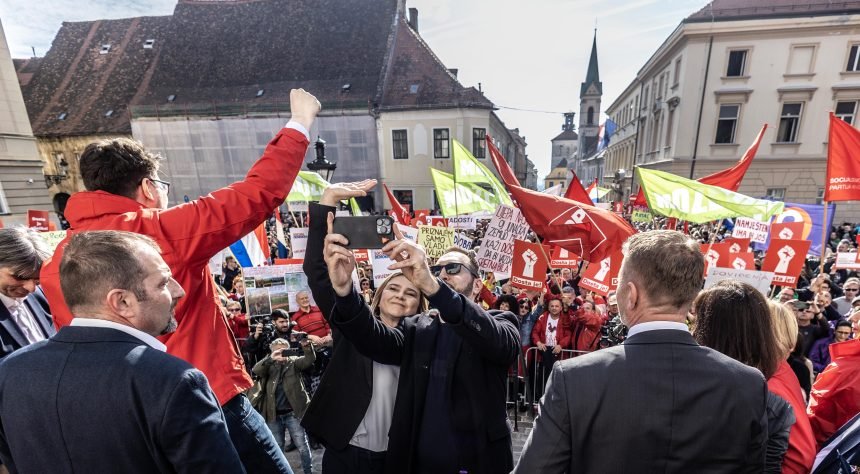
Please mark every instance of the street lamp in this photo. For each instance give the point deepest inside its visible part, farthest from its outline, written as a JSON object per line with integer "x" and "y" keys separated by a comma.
{"x": 320, "y": 165}
{"x": 56, "y": 179}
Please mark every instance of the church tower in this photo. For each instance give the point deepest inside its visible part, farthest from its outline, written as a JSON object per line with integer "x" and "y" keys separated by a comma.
{"x": 590, "y": 94}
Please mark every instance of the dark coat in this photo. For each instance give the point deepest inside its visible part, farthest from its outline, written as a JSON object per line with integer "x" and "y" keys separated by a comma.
{"x": 657, "y": 403}
{"x": 486, "y": 346}
{"x": 100, "y": 400}
{"x": 11, "y": 337}
{"x": 289, "y": 375}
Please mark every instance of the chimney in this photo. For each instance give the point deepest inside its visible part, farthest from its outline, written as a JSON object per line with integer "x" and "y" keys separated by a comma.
{"x": 413, "y": 19}
{"x": 453, "y": 72}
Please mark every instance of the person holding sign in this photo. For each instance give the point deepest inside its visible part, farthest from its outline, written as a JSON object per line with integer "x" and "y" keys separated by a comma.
{"x": 450, "y": 414}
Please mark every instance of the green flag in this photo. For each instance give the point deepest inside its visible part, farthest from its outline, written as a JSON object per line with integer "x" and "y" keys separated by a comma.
{"x": 353, "y": 206}
{"x": 469, "y": 197}
{"x": 673, "y": 196}
{"x": 308, "y": 186}
{"x": 467, "y": 169}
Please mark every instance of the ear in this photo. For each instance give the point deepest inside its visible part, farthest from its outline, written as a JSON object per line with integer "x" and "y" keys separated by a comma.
{"x": 632, "y": 296}
{"x": 121, "y": 303}
{"x": 145, "y": 193}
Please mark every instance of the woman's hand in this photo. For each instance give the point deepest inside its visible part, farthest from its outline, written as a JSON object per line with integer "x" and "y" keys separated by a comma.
{"x": 337, "y": 192}
{"x": 339, "y": 259}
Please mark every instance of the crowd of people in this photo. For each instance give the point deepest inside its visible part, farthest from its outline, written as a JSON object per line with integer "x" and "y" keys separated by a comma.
{"x": 124, "y": 323}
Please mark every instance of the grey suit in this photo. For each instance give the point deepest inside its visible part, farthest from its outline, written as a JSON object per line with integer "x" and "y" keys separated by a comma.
{"x": 11, "y": 337}
{"x": 657, "y": 403}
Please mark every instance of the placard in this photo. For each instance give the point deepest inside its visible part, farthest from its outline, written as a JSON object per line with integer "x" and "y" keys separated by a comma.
{"x": 380, "y": 262}
{"x": 54, "y": 237}
{"x": 298, "y": 241}
{"x": 847, "y": 261}
{"x": 38, "y": 220}
{"x": 785, "y": 258}
{"x": 410, "y": 233}
{"x": 463, "y": 222}
{"x": 435, "y": 240}
{"x": 737, "y": 260}
{"x": 528, "y": 269}
{"x": 602, "y": 277}
{"x": 497, "y": 247}
{"x": 297, "y": 206}
{"x": 361, "y": 255}
{"x": 279, "y": 282}
{"x": 758, "y": 280}
{"x": 463, "y": 241}
{"x": 437, "y": 221}
{"x": 640, "y": 215}
{"x": 420, "y": 217}
{"x": 752, "y": 229}
{"x": 216, "y": 263}
{"x": 712, "y": 254}
{"x": 737, "y": 245}
{"x": 563, "y": 258}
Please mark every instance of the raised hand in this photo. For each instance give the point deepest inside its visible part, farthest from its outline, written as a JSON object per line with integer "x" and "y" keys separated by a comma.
{"x": 341, "y": 191}
{"x": 411, "y": 259}
{"x": 304, "y": 107}
{"x": 339, "y": 259}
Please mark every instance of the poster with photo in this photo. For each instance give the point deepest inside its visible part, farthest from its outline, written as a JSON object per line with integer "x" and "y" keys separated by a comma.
{"x": 257, "y": 302}
{"x": 280, "y": 298}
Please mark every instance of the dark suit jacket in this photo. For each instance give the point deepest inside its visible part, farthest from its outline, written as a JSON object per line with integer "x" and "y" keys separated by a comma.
{"x": 100, "y": 400}
{"x": 11, "y": 337}
{"x": 659, "y": 403}
{"x": 486, "y": 346}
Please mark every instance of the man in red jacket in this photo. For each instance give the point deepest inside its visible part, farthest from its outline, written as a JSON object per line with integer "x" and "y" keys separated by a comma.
{"x": 124, "y": 192}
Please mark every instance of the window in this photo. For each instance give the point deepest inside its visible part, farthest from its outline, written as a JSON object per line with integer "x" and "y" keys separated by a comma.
{"x": 801, "y": 58}
{"x": 789, "y": 122}
{"x": 401, "y": 145}
{"x": 105, "y": 49}
{"x": 737, "y": 63}
{"x": 4, "y": 206}
{"x": 819, "y": 198}
{"x": 549, "y": 184}
{"x": 854, "y": 59}
{"x": 441, "y": 145}
{"x": 148, "y": 44}
{"x": 676, "y": 78}
{"x": 777, "y": 194}
{"x": 846, "y": 110}
{"x": 590, "y": 119}
{"x": 403, "y": 196}
{"x": 727, "y": 123}
{"x": 479, "y": 142}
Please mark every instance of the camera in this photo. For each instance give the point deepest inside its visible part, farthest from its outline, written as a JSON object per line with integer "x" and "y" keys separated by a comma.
{"x": 298, "y": 336}
{"x": 612, "y": 333}
{"x": 268, "y": 326}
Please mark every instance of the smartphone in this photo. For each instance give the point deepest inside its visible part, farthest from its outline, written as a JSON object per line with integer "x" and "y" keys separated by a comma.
{"x": 365, "y": 232}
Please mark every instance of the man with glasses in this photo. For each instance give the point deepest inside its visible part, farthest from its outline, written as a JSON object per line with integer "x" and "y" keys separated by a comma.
{"x": 810, "y": 322}
{"x": 450, "y": 411}
{"x": 126, "y": 192}
{"x": 851, "y": 288}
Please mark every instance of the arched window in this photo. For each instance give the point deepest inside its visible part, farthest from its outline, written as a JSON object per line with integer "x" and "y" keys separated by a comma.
{"x": 591, "y": 115}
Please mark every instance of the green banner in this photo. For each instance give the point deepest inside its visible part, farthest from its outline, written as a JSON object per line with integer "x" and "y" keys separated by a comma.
{"x": 467, "y": 169}
{"x": 308, "y": 186}
{"x": 640, "y": 215}
{"x": 353, "y": 206}
{"x": 673, "y": 196}
{"x": 460, "y": 198}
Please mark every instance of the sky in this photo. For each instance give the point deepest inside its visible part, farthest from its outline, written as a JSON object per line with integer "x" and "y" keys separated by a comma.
{"x": 526, "y": 55}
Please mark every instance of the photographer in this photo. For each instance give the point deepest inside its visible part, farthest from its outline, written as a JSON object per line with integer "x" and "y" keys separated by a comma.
{"x": 284, "y": 397}
{"x": 269, "y": 328}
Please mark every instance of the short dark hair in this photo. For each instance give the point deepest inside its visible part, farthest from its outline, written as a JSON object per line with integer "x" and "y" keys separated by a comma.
{"x": 22, "y": 251}
{"x": 733, "y": 318}
{"x": 280, "y": 314}
{"x": 88, "y": 269}
{"x": 473, "y": 259}
{"x": 511, "y": 300}
{"x": 117, "y": 166}
{"x": 843, "y": 323}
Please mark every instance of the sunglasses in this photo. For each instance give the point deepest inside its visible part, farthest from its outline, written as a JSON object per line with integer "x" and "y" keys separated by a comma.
{"x": 525, "y": 305}
{"x": 450, "y": 269}
{"x": 852, "y": 289}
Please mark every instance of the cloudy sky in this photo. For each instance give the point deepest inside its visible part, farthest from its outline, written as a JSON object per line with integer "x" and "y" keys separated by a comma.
{"x": 526, "y": 55}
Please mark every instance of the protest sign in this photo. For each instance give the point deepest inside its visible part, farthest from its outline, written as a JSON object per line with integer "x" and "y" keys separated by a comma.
{"x": 463, "y": 241}
{"x": 712, "y": 253}
{"x": 787, "y": 230}
{"x": 361, "y": 255}
{"x": 497, "y": 247}
{"x": 641, "y": 215}
{"x": 435, "y": 240}
{"x": 216, "y": 263}
{"x": 379, "y": 263}
{"x": 420, "y": 217}
{"x": 737, "y": 245}
{"x": 257, "y": 302}
{"x": 280, "y": 282}
{"x": 297, "y": 206}
{"x": 37, "y": 220}
{"x": 54, "y": 237}
{"x": 437, "y": 221}
{"x": 785, "y": 259}
{"x": 528, "y": 269}
{"x": 562, "y": 258}
{"x": 410, "y": 233}
{"x": 342, "y": 213}
{"x": 752, "y": 229}
{"x": 462, "y": 222}
{"x": 737, "y": 260}
{"x": 847, "y": 261}
{"x": 298, "y": 241}
{"x": 602, "y": 277}
{"x": 758, "y": 280}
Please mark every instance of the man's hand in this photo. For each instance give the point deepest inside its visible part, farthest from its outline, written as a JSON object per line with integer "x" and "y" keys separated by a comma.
{"x": 339, "y": 259}
{"x": 304, "y": 107}
{"x": 259, "y": 331}
{"x": 305, "y": 343}
{"x": 411, "y": 259}
{"x": 315, "y": 339}
{"x": 556, "y": 350}
{"x": 337, "y": 192}
{"x": 541, "y": 346}
{"x": 277, "y": 357}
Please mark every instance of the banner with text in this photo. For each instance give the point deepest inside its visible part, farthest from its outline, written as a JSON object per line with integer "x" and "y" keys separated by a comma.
{"x": 785, "y": 258}
{"x": 528, "y": 270}
{"x": 758, "y": 280}
{"x": 462, "y": 222}
{"x": 751, "y": 229}
{"x": 435, "y": 240}
{"x": 298, "y": 241}
{"x": 562, "y": 258}
{"x": 602, "y": 277}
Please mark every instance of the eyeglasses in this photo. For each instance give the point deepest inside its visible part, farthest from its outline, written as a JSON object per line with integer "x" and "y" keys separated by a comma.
{"x": 852, "y": 289}
{"x": 525, "y": 305}
{"x": 450, "y": 269}
{"x": 165, "y": 184}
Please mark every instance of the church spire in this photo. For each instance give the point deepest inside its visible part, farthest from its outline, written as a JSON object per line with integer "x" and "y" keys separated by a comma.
{"x": 593, "y": 75}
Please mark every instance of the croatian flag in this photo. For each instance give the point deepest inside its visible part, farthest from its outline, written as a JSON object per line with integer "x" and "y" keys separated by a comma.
{"x": 279, "y": 234}
{"x": 252, "y": 250}
{"x": 606, "y": 131}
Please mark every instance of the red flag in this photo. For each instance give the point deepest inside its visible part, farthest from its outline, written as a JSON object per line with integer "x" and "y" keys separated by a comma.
{"x": 843, "y": 162}
{"x": 585, "y": 230}
{"x": 731, "y": 178}
{"x": 575, "y": 191}
{"x": 400, "y": 213}
{"x": 640, "y": 200}
{"x": 505, "y": 171}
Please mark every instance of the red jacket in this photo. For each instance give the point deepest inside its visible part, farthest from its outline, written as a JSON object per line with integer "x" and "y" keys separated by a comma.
{"x": 585, "y": 330}
{"x": 189, "y": 235}
{"x": 311, "y": 322}
{"x": 239, "y": 326}
{"x": 835, "y": 396}
{"x": 801, "y": 444}
{"x": 562, "y": 332}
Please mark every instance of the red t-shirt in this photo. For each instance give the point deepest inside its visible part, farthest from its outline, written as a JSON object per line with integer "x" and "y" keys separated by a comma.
{"x": 311, "y": 322}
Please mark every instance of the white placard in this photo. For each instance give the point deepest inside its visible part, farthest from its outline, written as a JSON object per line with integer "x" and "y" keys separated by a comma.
{"x": 463, "y": 222}
{"x": 410, "y": 233}
{"x": 759, "y": 280}
{"x": 297, "y": 206}
{"x": 463, "y": 241}
{"x": 380, "y": 263}
{"x": 298, "y": 241}
{"x": 755, "y": 230}
{"x": 342, "y": 213}
{"x": 497, "y": 247}
{"x": 847, "y": 260}
{"x": 216, "y": 263}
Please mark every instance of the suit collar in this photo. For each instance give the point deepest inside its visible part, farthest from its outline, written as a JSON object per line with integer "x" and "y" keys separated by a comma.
{"x": 662, "y": 336}
{"x": 8, "y": 325}
{"x": 82, "y": 334}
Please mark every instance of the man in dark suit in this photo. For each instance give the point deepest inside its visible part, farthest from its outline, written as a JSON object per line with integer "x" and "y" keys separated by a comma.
{"x": 101, "y": 395}
{"x": 24, "y": 314}
{"x": 659, "y": 402}
{"x": 449, "y": 415}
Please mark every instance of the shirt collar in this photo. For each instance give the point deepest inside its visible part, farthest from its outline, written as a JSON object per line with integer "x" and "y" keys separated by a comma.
{"x": 102, "y": 323}
{"x": 10, "y": 302}
{"x": 656, "y": 325}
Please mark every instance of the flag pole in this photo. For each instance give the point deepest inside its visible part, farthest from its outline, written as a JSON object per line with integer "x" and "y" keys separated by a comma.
{"x": 291, "y": 215}
{"x": 824, "y": 231}
{"x": 548, "y": 261}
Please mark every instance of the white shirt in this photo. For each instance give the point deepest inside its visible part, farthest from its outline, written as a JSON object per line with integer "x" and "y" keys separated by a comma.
{"x": 372, "y": 432}
{"x": 656, "y": 325}
{"x": 26, "y": 321}
{"x": 551, "y": 330}
{"x": 101, "y": 323}
{"x": 299, "y": 127}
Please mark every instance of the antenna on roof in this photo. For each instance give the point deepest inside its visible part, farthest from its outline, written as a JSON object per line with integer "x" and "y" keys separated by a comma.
{"x": 34, "y": 51}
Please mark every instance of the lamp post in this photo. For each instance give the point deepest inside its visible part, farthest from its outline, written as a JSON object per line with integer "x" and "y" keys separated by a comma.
{"x": 320, "y": 165}
{"x": 52, "y": 179}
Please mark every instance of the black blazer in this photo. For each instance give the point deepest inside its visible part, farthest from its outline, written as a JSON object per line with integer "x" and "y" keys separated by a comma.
{"x": 486, "y": 346}
{"x": 11, "y": 337}
{"x": 341, "y": 400}
{"x": 659, "y": 403}
{"x": 100, "y": 400}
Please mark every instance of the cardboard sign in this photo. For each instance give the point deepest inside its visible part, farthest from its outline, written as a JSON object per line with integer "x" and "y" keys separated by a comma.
{"x": 602, "y": 277}
{"x": 712, "y": 253}
{"x": 361, "y": 255}
{"x": 751, "y": 229}
{"x": 298, "y": 241}
{"x": 738, "y": 261}
{"x": 435, "y": 240}
{"x": 758, "y": 280}
{"x": 787, "y": 230}
{"x": 618, "y": 207}
{"x": 528, "y": 270}
{"x": 497, "y": 247}
{"x": 463, "y": 241}
{"x": 562, "y": 258}
{"x": 738, "y": 245}
{"x": 420, "y": 217}
{"x": 463, "y": 222}
{"x": 37, "y": 220}
{"x": 641, "y": 215}
{"x": 785, "y": 258}
{"x": 53, "y": 238}
{"x": 847, "y": 260}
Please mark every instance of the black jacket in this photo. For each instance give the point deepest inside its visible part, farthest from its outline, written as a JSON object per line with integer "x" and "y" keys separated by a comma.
{"x": 486, "y": 346}
{"x": 780, "y": 417}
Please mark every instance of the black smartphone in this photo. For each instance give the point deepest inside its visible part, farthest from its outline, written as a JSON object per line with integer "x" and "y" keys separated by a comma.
{"x": 365, "y": 232}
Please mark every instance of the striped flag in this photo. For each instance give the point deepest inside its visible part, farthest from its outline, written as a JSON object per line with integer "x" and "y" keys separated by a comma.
{"x": 252, "y": 250}
{"x": 279, "y": 234}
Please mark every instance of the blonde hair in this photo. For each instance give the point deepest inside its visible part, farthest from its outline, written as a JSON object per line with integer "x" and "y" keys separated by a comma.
{"x": 377, "y": 296}
{"x": 784, "y": 328}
